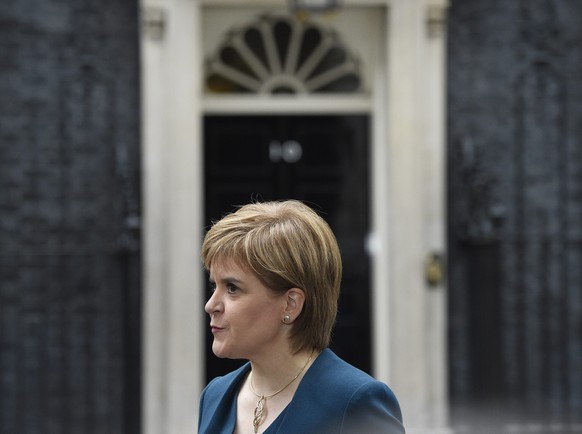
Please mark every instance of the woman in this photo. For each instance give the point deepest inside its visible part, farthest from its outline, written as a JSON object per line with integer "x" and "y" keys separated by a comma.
{"x": 275, "y": 268}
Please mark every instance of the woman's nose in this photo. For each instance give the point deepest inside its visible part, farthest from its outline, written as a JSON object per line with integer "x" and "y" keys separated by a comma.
{"x": 213, "y": 304}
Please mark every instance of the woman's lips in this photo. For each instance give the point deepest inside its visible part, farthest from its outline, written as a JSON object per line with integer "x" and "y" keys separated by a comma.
{"x": 215, "y": 329}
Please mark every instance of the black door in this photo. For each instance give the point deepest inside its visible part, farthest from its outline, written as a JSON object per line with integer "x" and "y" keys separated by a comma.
{"x": 322, "y": 160}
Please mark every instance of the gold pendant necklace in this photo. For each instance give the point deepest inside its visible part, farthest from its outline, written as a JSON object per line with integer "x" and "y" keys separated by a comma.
{"x": 260, "y": 407}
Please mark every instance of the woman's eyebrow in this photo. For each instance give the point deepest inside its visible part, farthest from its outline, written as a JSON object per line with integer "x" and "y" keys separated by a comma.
{"x": 226, "y": 279}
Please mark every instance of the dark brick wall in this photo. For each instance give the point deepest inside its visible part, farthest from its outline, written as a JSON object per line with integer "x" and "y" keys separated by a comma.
{"x": 69, "y": 217}
{"x": 515, "y": 189}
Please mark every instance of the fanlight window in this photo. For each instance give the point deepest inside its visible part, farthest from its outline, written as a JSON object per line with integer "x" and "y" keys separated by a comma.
{"x": 283, "y": 55}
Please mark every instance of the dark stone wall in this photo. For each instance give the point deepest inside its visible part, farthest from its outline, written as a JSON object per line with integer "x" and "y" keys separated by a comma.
{"x": 69, "y": 217}
{"x": 515, "y": 204}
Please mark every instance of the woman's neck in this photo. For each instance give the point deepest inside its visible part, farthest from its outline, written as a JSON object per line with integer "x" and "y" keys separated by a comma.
{"x": 270, "y": 374}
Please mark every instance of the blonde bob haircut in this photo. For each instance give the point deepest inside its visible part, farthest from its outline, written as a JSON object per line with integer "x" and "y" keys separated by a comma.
{"x": 286, "y": 245}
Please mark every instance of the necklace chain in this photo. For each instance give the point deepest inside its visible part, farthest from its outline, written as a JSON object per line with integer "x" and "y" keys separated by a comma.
{"x": 260, "y": 407}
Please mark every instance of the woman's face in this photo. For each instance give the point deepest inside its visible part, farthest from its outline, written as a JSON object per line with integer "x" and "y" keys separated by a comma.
{"x": 245, "y": 315}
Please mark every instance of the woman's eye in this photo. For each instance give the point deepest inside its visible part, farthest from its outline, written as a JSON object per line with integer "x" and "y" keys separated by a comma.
{"x": 231, "y": 289}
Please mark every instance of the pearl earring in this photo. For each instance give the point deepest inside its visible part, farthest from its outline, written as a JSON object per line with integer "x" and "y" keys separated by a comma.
{"x": 286, "y": 319}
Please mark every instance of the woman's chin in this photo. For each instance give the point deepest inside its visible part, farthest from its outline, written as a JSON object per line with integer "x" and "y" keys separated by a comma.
{"x": 220, "y": 352}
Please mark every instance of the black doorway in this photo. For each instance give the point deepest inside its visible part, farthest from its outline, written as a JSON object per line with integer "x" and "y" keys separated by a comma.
{"x": 322, "y": 160}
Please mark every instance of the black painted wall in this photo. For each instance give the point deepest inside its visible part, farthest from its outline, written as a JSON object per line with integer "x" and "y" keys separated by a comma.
{"x": 69, "y": 217}
{"x": 515, "y": 191}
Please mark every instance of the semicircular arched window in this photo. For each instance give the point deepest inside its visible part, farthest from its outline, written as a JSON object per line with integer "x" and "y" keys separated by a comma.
{"x": 283, "y": 55}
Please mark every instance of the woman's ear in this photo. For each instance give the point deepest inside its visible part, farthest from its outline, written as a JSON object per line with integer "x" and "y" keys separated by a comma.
{"x": 295, "y": 299}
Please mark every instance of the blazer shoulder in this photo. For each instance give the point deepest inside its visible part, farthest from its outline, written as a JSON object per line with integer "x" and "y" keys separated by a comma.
{"x": 340, "y": 375}
{"x": 373, "y": 408}
{"x": 352, "y": 400}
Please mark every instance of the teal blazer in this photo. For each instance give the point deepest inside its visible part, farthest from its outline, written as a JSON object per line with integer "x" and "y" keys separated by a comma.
{"x": 333, "y": 398}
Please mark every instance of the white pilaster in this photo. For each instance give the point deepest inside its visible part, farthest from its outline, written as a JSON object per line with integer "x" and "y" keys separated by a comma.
{"x": 416, "y": 368}
{"x": 173, "y": 333}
